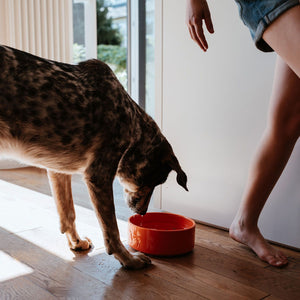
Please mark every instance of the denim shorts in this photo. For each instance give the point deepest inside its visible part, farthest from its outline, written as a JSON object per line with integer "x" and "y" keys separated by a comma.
{"x": 257, "y": 15}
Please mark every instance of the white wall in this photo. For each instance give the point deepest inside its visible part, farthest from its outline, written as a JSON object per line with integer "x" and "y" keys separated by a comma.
{"x": 212, "y": 107}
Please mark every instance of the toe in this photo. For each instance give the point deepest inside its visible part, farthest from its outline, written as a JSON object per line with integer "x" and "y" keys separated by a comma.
{"x": 280, "y": 263}
{"x": 283, "y": 257}
{"x": 276, "y": 261}
{"x": 284, "y": 260}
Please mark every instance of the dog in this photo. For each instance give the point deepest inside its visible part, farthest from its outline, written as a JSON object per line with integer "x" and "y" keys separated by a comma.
{"x": 79, "y": 119}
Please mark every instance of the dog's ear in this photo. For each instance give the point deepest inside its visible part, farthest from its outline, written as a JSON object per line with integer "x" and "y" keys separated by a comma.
{"x": 181, "y": 176}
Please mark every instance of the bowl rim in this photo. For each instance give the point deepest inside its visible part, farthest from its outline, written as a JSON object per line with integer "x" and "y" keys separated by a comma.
{"x": 164, "y": 230}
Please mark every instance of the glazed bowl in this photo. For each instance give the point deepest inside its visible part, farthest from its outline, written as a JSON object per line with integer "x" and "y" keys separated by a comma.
{"x": 161, "y": 234}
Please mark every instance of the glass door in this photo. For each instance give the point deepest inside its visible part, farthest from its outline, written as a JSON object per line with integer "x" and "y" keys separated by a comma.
{"x": 120, "y": 33}
{"x": 100, "y": 31}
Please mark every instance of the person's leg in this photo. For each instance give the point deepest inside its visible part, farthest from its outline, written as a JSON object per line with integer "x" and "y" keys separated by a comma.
{"x": 283, "y": 35}
{"x": 281, "y": 134}
{"x": 279, "y": 138}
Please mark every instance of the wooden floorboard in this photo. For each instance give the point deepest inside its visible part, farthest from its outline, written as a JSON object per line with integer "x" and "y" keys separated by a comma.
{"x": 204, "y": 282}
{"x": 265, "y": 279}
{"x": 218, "y": 268}
{"x": 218, "y": 241}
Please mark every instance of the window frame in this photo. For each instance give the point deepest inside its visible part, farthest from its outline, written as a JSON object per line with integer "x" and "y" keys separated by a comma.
{"x": 136, "y": 50}
{"x": 136, "y": 44}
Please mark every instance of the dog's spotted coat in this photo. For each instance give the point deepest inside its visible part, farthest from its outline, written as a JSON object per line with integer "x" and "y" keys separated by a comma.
{"x": 79, "y": 119}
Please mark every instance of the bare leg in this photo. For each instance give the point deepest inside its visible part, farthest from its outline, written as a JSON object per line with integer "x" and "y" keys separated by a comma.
{"x": 276, "y": 147}
{"x": 284, "y": 37}
{"x": 279, "y": 138}
{"x": 62, "y": 193}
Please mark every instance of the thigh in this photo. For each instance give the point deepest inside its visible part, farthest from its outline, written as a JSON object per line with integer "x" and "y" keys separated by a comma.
{"x": 283, "y": 35}
{"x": 284, "y": 114}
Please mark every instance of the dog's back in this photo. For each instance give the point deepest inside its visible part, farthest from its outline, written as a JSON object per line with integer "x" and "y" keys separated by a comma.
{"x": 54, "y": 114}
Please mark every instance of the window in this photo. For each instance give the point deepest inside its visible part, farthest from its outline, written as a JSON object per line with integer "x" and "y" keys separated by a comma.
{"x": 100, "y": 31}
{"x": 150, "y": 69}
{"x": 84, "y": 30}
{"x": 120, "y": 33}
{"x": 112, "y": 36}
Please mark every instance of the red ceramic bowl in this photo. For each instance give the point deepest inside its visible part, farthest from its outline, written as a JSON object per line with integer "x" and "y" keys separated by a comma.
{"x": 161, "y": 234}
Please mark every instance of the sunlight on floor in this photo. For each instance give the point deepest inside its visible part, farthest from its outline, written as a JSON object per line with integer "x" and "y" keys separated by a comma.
{"x": 11, "y": 268}
{"x": 32, "y": 216}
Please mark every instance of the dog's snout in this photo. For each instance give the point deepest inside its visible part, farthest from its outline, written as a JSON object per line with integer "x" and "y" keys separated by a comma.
{"x": 142, "y": 213}
{"x": 139, "y": 201}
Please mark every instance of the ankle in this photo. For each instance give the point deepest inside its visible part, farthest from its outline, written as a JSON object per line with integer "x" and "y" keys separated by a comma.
{"x": 245, "y": 223}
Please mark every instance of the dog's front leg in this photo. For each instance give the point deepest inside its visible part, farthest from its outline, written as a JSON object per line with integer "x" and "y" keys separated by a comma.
{"x": 102, "y": 198}
{"x": 62, "y": 193}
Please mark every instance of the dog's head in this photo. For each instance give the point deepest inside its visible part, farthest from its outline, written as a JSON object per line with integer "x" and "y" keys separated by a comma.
{"x": 141, "y": 170}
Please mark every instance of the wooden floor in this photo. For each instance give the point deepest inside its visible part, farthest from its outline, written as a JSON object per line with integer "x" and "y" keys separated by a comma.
{"x": 35, "y": 262}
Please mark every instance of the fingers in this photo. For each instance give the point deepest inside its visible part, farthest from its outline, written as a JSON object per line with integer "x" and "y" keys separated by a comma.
{"x": 208, "y": 22}
{"x": 197, "y": 34}
{"x": 197, "y": 11}
{"x": 196, "y": 38}
{"x": 200, "y": 35}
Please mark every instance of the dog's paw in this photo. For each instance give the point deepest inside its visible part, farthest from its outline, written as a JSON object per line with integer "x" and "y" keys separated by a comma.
{"x": 81, "y": 245}
{"x": 136, "y": 261}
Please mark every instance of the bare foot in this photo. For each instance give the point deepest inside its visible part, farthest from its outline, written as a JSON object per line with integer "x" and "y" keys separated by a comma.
{"x": 253, "y": 239}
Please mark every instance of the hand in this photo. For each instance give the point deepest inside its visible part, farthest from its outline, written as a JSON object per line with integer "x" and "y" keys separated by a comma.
{"x": 196, "y": 11}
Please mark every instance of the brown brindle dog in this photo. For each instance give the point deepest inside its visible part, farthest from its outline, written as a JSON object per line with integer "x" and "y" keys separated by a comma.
{"x": 79, "y": 119}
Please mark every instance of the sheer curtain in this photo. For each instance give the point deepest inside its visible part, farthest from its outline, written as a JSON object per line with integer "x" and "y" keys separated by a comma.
{"x": 41, "y": 27}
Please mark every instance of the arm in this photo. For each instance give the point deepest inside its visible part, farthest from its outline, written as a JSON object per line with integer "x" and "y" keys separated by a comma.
{"x": 196, "y": 11}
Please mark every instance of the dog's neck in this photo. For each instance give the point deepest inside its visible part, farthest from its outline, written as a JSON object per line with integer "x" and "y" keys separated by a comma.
{"x": 146, "y": 132}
